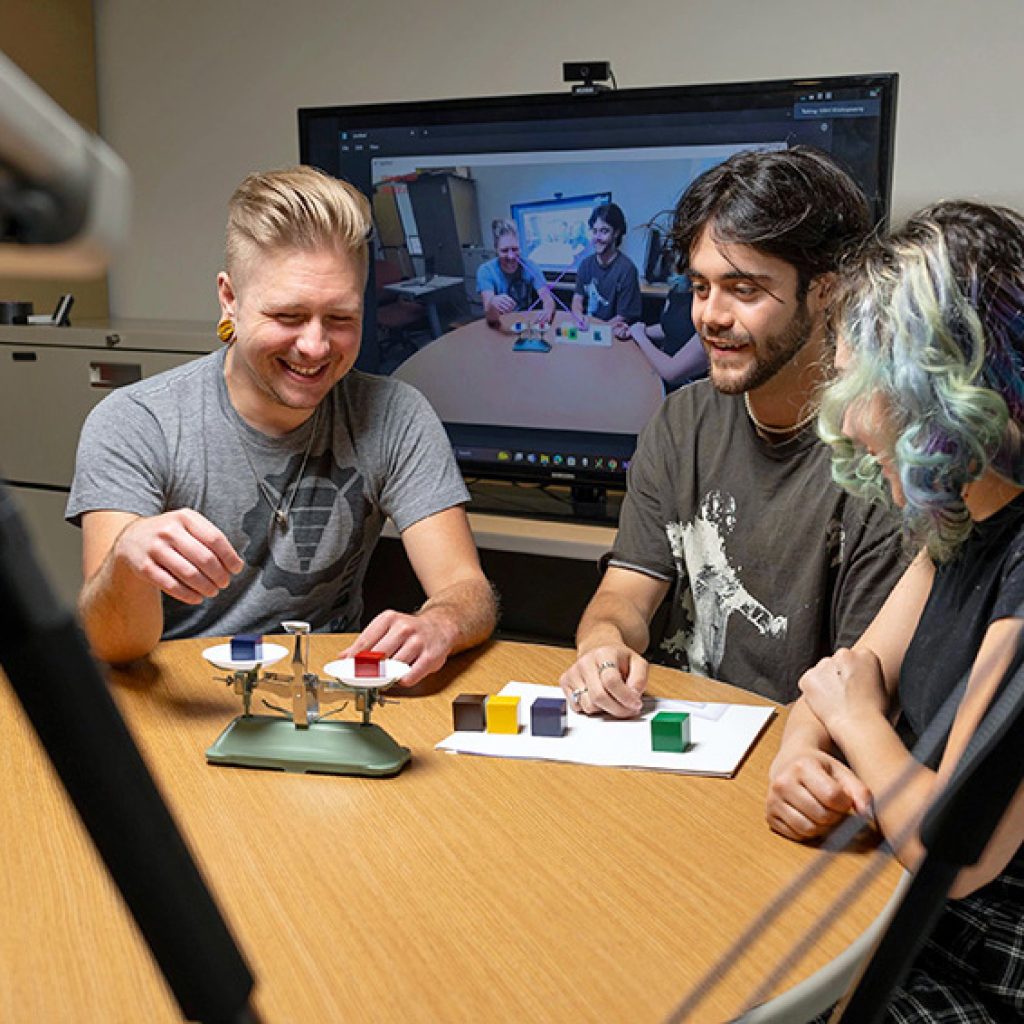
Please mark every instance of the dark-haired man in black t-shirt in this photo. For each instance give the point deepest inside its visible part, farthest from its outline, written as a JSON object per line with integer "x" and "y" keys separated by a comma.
{"x": 607, "y": 281}
{"x": 730, "y": 500}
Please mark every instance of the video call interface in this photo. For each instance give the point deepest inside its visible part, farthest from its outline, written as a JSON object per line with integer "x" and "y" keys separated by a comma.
{"x": 439, "y": 180}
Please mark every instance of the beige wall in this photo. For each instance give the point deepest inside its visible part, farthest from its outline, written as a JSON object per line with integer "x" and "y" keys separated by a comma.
{"x": 52, "y": 42}
{"x": 195, "y": 94}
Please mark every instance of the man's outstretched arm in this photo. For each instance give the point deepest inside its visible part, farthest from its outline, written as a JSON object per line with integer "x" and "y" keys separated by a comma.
{"x": 460, "y": 610}
{"x": 128, "y": 561}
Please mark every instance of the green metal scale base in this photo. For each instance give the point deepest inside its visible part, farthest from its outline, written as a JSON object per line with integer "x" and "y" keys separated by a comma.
{"x": 334, "y": 748}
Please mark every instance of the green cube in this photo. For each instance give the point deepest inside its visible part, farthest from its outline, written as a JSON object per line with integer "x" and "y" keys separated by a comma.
{"x": 670, "y": 731}
{"x": 571, "y": 333}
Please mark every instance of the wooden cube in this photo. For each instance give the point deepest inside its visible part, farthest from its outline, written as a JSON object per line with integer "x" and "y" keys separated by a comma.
{"x": 670, "y": 731}
{"x": 247, "y": 647}
{"x": 468, "y": 712}
{"x": 503, "y": 715}
{"x": 547, "y": 716}
{"x": 369, "y": 664}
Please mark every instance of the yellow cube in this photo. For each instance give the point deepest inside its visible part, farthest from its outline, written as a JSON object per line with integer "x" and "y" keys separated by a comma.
{"x": 503, "y": 714}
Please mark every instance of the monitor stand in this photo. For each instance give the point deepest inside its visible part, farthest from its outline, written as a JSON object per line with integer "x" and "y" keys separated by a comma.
{"x": 560, "y": 502}
{"x": 589, "y": 502}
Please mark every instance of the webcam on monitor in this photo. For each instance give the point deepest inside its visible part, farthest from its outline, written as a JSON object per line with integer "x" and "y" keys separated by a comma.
{"x": 589, "y": 74}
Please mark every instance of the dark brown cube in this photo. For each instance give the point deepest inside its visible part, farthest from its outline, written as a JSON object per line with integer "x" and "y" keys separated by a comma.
{"x": 468, "y": 712}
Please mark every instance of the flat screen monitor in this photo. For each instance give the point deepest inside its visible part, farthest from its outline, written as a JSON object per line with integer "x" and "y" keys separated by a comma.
{"x": 554, "y": 234}
{"x": 563, "y": 404}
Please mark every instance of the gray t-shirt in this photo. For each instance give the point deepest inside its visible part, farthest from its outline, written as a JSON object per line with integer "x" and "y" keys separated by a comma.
{"x": 175, "y": 441}
{"x": 774, "y": 565}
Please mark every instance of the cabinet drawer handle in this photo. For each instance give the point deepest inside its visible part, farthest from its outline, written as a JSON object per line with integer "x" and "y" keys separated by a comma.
{"x": 113, "y": 375}
{"x": 24, "y": 357}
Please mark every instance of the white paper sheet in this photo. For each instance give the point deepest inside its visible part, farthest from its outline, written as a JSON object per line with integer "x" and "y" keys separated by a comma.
{"x": 720, "y": 736}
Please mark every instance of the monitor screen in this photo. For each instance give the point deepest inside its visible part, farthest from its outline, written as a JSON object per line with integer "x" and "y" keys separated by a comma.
{"x": 487, "y": 217}
{"x": 554, "y": 233}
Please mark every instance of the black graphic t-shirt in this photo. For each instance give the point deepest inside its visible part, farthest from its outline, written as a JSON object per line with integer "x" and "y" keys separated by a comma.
{"x": 611, "y": 290}
{"x": 773, "y": 566}
{"x": 174, "y": 441}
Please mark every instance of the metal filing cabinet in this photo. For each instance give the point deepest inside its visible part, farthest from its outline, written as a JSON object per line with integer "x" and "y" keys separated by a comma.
{"x": 50, "y": 378}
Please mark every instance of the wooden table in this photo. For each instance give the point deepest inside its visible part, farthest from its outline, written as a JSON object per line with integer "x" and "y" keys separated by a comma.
{"x": 464, "y": 889}
{"x": 473, "y": 375}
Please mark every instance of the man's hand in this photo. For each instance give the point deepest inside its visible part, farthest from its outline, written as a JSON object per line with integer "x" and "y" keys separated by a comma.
{"x": 422, "y": 641}
{"x": 181, "y": 552}
{"x": 129, "y": 561}
{"x": 808, "y": 795}
{"x": 502, "y": 304}
{"x": 609, "y": 678}
{"x": 610, "y": 675}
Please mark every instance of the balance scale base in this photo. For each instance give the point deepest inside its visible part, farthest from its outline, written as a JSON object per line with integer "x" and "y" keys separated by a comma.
{"x": 333, "y": 748}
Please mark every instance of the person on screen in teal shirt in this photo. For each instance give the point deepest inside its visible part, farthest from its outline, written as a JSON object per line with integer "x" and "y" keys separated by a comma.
{"x": 511, "y": 282}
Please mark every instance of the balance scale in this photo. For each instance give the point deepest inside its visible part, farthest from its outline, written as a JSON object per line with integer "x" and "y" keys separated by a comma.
{"x": 300, "y": 739}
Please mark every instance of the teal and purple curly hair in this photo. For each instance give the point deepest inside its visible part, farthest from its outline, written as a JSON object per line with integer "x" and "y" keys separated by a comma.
{"x": 933, "y": 318}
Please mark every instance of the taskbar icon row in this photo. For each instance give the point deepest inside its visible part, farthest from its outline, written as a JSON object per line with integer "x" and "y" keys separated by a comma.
{"x": 559, "y": 461}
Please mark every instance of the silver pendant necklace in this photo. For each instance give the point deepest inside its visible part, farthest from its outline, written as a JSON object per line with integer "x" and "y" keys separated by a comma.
{"x": 280, "y": 510}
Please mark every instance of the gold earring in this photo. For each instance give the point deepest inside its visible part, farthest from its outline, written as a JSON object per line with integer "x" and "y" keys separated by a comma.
{"x": 226, "y": 329}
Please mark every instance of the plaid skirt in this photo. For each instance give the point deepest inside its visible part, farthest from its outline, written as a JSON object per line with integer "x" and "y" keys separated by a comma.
{"x": 971, "y": 969}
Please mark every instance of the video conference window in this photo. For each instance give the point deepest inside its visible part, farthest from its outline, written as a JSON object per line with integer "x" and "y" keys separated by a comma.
{"x": 435, "y": 216}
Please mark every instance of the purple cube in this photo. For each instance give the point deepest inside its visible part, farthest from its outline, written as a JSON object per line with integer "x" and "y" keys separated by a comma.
{"x": 547, "y": 716}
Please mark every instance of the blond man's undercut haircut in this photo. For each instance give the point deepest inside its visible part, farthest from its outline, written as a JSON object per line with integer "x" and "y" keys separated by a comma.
{"x": 297, "y": 208}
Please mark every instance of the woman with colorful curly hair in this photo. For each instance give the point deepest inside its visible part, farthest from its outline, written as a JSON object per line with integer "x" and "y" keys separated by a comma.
{"x": 927, "y": 412}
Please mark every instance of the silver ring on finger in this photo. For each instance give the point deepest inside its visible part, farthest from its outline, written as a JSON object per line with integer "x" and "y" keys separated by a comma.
{"x": 577, "y": 698}
{"x": 606, "y": 664}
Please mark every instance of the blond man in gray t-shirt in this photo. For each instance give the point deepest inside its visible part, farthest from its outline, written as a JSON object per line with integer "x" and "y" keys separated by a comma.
{"x": 251, "y": 486}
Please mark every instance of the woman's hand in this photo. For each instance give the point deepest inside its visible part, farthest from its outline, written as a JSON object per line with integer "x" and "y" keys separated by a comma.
{"x": 845, "y": 689}
{"x": 811, "y": 793}
{"x": 638, "y": 332}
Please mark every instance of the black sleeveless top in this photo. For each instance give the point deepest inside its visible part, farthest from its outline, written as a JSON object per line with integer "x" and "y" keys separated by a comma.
{"x": 983, "y": 583}
{"x": 676, "y": 320}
